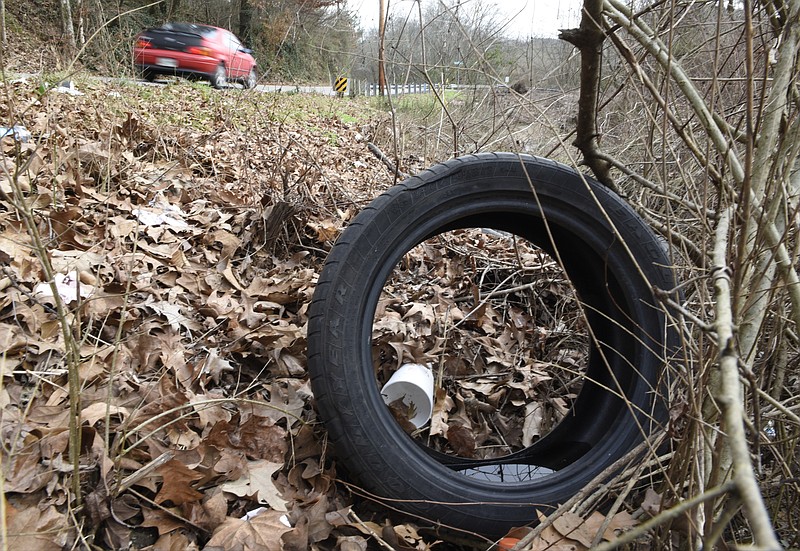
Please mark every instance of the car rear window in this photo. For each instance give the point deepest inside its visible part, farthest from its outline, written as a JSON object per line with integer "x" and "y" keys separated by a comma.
{"x": 187, "y": 28}
{"x": 178, "y": 36}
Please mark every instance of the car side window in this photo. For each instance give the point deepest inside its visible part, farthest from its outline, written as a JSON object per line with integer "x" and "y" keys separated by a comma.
{"x": 227, "y": 42}
{"x": 235, "y": 44}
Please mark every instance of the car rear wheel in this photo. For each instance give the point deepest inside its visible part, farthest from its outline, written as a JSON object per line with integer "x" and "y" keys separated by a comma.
{"x": 252, "y": 79}
{"x": 147, "y": 75}
{"x": 219, "y": 80}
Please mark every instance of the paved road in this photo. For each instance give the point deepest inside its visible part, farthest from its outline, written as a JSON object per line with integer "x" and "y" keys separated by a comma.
{"x": 285, "y": 88}
{"x": 290, "y": 88}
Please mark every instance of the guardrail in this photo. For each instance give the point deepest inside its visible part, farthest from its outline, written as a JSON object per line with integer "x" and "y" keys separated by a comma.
{"x": 372, "y": 89}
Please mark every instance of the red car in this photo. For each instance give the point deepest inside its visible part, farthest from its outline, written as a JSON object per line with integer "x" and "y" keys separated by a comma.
{"x": 196, "y": 52}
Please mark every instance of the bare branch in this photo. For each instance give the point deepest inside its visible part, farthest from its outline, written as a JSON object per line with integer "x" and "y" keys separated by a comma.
{"x": 589, "y": 40}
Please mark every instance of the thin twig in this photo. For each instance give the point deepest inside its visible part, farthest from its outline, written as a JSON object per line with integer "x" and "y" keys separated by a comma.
{"x": 668, "y": 515}
{"x": 730, "y": 396}
{"x": 632, "y": 455}
{"x": 372, "y": 532}
{"x": 135, "y": 477}
{"x": 386, "y": 160}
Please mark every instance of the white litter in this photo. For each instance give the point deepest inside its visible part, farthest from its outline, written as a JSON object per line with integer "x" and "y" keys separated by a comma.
{"x": 68, "y": 287}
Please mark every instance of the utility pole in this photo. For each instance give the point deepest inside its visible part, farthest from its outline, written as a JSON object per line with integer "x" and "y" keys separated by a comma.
{"x": 381, "y": 60}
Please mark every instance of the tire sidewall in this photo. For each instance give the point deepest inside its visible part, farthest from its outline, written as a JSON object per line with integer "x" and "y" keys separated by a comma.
{"x": 220, "y": 78}
{"x": 381, "y": 455}
{"x": 251, "y": 80}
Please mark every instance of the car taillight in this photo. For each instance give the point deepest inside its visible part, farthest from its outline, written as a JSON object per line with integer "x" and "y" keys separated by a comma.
{"x": 200, "y": 50}
{"x": 143, "y": 43}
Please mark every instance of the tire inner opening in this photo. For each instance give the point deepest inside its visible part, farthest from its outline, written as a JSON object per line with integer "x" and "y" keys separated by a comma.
{"x": 499, "y": 324}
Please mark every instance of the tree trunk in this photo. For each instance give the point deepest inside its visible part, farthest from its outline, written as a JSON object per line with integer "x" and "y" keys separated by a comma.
{"x": 589, "y": 40}
{"x": 381, "y": 42}
{"x": 81, "y": 24}
{"x": 245, "y": 18}
{"x": 66, "y": 24}
{"x": 172, "y": 7}
{"x": 3, "y": 22}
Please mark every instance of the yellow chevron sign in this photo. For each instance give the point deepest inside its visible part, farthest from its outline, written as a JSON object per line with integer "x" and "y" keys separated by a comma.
{"x": 340, "y": 86}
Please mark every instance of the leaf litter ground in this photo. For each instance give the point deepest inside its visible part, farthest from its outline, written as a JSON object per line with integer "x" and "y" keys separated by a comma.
{"x": 187, "y": 228}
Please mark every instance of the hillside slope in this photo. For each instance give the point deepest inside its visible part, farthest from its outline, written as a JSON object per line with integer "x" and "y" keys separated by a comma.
{"x": 184, "y": 230}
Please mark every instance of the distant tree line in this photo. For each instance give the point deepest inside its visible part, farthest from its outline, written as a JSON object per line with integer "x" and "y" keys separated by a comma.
{"x": 313, "y": 40}
{"x": 292, "y": 39}
{"x": 462, "y": 43}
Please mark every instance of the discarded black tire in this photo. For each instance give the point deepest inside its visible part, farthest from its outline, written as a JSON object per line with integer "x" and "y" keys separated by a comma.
{"x": 614, "y": 262}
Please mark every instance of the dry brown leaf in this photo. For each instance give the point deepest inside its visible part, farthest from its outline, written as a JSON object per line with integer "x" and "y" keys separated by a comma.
{"x": 442, "y": 405}
{"x": 164, "y": 522}
{"x": 620, "y": 522}
{"x": 461, "y": 439}
{"x": 176, "y": 487}
{"x": 351, "y": 543}
{"x": 408, "y": 533}
{"x": 232, "y": 278}
{"x": 584, "y": 531}
{"x": 93, "y": 413}
{"x": 305, "y": 443}
{"x": 210, "y": 413}
{"x": 297, "y": 538}
{"x": 258, "y": 437}
{"x": 574, "y": 527}
{"x": 652, "y": 503}
{"x": 12, "y": 339}
{"x": 215, "y": 365}
{"x": 550, "y": 539}
{"x": 284, "y": 403}
{"x": 318, "y": 526}
{"x": 228, "y": 241}
{"x": 257, "y": 483}
{"x": 311, "y": 525}
{"x": 26, "y": 473}
{"x": 174, "y": 541}
{"x": 368, "y": 528}
{"x": 532, "y": 426}
{"x": 262, "y": 533}
{"x": 402, "y": 413}
{"x": 327, "y": 229}
{"x": 208, "y": 513}
{"x": 92, "y": 369}
{"x": 390, "y": 535}
{"x": 31, "y": 529}
{"x": 338, "y": 518}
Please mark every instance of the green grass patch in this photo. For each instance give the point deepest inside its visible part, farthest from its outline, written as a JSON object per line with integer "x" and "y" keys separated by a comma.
{"x": 421, "y": 105}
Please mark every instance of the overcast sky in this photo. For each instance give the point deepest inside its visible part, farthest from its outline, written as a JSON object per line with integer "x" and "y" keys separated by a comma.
{"x": 525, "y": 17}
